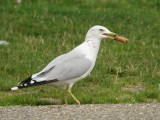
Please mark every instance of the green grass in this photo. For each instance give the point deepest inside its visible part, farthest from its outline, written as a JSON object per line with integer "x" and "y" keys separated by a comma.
{"x": 40, "y": 30}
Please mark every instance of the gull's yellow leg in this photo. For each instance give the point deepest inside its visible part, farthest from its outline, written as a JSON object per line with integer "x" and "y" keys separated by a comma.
{"x": 76, "y": 100}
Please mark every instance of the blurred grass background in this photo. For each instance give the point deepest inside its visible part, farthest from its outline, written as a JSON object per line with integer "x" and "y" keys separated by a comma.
{"x": 40, "y": 30}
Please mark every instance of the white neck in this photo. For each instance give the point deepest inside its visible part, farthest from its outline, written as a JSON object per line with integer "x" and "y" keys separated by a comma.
{"x": 93, "y": 44}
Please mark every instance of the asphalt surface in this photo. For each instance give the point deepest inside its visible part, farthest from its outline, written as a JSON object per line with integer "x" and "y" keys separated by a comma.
{"x": 82, "y": 112}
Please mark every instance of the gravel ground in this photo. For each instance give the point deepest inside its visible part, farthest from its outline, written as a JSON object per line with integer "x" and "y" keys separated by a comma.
{"x": 82, "y": 112}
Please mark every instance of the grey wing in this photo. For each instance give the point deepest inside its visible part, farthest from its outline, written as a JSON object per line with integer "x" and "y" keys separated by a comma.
{"x": 67, "y": 70}
{"x": 59, "y": 60}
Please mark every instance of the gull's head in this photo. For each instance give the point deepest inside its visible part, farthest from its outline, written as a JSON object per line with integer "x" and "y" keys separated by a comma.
{"x": 100, "y": 32}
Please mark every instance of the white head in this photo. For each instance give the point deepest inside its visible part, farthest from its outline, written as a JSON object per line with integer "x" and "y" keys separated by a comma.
{"x": 100, "y": 32}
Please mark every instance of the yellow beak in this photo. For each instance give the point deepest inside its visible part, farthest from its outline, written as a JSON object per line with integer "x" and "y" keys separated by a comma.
{"x": 114, "y": 36}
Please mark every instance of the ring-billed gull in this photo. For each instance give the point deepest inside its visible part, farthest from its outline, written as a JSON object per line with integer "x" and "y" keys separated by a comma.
{"x": 73, "y": 66}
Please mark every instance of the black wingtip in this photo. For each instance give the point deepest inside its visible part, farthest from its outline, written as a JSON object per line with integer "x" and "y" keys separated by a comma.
{"x": 29, "y": 82}
{"x": 24, "y": 83}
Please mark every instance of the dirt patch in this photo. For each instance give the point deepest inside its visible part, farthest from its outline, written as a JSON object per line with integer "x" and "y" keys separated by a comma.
{"x": 134, "y": 88}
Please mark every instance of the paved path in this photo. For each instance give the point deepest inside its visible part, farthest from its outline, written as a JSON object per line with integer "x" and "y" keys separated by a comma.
{"x": 82, "y": 112}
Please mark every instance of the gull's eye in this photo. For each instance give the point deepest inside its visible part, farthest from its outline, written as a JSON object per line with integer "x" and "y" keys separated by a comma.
{"x": 101, "y": 30}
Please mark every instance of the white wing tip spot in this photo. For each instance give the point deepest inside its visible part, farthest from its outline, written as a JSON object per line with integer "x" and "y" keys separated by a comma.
{"x": 32, "y": 82}
{"x": 14, "y": 88}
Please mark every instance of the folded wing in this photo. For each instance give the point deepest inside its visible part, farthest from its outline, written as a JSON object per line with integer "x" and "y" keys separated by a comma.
{"x": 67, "y": 70}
